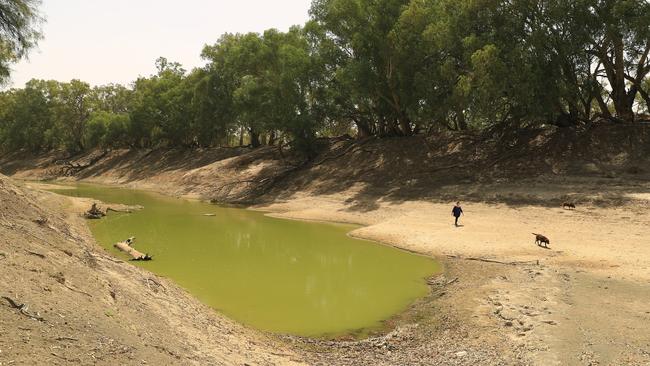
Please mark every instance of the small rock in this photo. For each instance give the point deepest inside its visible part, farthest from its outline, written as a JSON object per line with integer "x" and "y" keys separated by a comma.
{"x": 461, "y": 354}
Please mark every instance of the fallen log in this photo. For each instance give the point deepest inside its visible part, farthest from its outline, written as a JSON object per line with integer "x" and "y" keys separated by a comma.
{"x": 126, "y": 247}
{"x": 123, "y": 209}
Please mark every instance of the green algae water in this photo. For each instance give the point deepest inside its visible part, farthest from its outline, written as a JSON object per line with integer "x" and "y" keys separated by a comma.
{"x": 283, "y": 276}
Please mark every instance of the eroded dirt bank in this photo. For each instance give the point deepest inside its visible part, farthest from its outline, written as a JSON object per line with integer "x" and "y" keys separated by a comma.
{"x": 83, "y": 307}
{"x": 582, "y": 302}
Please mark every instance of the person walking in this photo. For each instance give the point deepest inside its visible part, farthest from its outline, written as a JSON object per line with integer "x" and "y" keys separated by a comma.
{"x": 456, "y": 212}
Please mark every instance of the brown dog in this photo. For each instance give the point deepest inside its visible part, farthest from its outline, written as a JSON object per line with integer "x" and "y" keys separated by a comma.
{"x": 541, "y": 239}
{"x": 569, "y": 205}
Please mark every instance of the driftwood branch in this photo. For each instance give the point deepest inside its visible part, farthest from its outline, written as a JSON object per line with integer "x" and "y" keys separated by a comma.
{"x": 451, "y": 281}
{"x": 113, "y": 260}
{"x": 76, "y": 290}
{"x": 67, "y": 339}
{"x": 23, "y": 309}
{"x": 155, "y": 282}
{"x": 121, "y": 210}
{"x": 150, "y": 281}
{"x": 439, "y": 281}
{"x": 487, "y": 260}
{"x": 42, "y": 256}
{"x": 94, "y": 213}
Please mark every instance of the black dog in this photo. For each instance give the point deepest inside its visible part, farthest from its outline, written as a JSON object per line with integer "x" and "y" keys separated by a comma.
{"x": 569, "y": 205}
{"x": 541, "y": 239}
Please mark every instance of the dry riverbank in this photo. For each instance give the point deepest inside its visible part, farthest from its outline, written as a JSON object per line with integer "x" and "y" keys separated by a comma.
{"x": 584, "y": 301}
{"x": 83, "y": 307}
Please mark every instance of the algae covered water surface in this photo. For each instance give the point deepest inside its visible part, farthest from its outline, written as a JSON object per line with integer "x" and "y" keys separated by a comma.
{"x": 283, "y": 276}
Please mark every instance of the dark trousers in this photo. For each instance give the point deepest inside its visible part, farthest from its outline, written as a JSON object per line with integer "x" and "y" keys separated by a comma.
{"x": 457, "y": 217}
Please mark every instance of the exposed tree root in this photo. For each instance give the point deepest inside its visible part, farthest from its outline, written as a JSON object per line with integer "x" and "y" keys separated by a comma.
{"x": 71, "y": 169}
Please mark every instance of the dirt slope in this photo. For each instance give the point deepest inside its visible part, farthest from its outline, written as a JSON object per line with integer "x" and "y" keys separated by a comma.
{"x": 83, "y": 307}
{"x": 541, "y": 167}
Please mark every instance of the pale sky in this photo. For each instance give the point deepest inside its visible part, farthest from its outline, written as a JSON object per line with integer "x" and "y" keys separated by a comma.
{"x": 103, "y": 41}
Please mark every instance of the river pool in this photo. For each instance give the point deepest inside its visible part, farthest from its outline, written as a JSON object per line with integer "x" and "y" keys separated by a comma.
{"x": 284, "y": 276}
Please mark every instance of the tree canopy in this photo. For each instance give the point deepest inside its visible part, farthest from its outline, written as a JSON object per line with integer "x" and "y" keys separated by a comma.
{"x": 366, "y": 68}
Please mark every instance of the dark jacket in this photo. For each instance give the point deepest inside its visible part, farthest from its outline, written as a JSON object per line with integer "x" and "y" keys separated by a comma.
{"x": 457, "y": 211}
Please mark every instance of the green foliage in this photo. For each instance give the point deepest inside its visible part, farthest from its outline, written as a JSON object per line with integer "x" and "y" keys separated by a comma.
{"x": 19, "y": 21}
{"x": 269, "y": 83}
{"x": 161, "y": 108}
{"x": 108, "y": 129}
{"x": 26, "y": 120}
{"x": 380, "y": 67}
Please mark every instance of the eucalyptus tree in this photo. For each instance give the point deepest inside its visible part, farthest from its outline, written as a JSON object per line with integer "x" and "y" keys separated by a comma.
{"x": 114, "y": 98}
{"x": 19, "y": 31}
{"x": 161, "y": 110}
{"x": 534, "y": 61}
{"x": 71, "y": 109}
{"x": 233, "y": 63}
{"x": 268, "y": 83}
{"x": 213, "y": 109}
{"x": 293, "y": 86}
{"x": 26, "y": 120}
{"x": 375, "y": 62}
{"x": 619, "y": 38}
